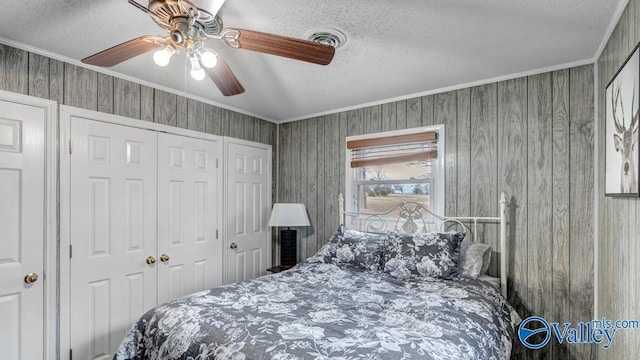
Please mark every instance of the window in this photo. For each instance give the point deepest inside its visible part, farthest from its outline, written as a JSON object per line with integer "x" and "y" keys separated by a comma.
{"x": 388, "y": 168}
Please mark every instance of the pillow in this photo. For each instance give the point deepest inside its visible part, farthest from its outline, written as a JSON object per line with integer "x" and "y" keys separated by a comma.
{"x": 486, "y": 261}
{"x": 434, "y": 255}
{"x": 352, "y": 248}
{"x": 473, "y": 257}
{"x": 491, "y": 280}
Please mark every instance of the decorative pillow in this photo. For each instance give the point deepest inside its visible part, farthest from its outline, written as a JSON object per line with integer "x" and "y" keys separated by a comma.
{"x": 486, "y": 261}
{"x": 473, "y": 257}
{"x": 352, "y": 248}
{"x": 491, "y": 280}
{"x": 434, "y": 255}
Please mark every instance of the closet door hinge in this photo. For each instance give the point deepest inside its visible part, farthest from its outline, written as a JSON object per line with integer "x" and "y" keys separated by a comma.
{"x": 70, "y": 147}
{"x": 217, "y": 161}
{"x": 216, "y": 233}
{"x": 70, "y": 251}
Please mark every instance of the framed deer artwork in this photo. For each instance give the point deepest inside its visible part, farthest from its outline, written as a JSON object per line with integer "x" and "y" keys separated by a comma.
{"x": 622, "y": 101}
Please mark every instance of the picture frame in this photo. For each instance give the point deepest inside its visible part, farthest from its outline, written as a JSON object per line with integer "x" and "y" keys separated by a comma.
{"x": 622, "y": 155}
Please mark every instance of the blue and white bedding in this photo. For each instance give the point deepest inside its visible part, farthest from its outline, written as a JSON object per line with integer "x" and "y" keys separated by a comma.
{"x": 320, "y": 310}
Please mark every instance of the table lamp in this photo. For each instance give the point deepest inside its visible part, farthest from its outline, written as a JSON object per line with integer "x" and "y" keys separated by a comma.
{"x": 287, "y": 215}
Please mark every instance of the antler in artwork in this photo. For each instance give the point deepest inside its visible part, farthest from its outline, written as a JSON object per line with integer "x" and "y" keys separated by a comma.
{"x": 614, "y": 106}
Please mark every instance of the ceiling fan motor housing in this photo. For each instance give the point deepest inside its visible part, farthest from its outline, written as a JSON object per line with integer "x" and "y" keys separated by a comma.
{"x": 169, "y": 10}
{"x": 212, "y": 6}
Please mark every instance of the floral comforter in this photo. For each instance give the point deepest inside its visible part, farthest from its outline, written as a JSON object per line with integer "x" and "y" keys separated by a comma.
{"x": 323, "y": 311}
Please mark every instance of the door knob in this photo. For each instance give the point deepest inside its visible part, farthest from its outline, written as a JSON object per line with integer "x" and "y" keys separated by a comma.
{"x": 30, "y": 278}
{"x": 233, "y": 246}
{"x": 164, "y": 258}
{"x": 151, "y": 260}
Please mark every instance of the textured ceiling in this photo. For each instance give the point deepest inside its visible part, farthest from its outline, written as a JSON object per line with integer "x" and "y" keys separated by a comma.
{"x": 394, "y": 49}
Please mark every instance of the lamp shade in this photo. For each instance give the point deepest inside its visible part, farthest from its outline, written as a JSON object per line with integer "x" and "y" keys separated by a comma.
{"x": 284, "y": 214}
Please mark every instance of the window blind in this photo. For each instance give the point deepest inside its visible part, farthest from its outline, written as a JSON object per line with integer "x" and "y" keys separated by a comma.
{"x": 393, "y": 149}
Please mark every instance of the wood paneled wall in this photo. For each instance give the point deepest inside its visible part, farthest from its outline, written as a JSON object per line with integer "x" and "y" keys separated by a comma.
{"x": 530, "y": 137}
{"x": 32, "y": 74}
{"x": 619, "y": 226}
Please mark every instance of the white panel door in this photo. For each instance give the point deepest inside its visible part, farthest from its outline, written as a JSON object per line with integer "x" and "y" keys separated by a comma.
{"x": 189, "y": 216}
{"x": 112, "y": 233}
{"x": 22, "y": 229}
{"x": 248, "y": 202}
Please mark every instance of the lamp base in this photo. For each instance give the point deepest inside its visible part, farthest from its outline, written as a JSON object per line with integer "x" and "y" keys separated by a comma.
{"x": 288, "y": 252}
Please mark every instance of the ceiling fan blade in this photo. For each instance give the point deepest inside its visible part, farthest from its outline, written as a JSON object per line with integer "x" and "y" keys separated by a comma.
{"x": 292, "y": 48}
{"x": 125, "y": 51}
{"x": 224, "y": 78}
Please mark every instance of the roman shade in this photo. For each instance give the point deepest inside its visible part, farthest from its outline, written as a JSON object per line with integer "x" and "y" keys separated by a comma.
{"x": 384, "y": 150}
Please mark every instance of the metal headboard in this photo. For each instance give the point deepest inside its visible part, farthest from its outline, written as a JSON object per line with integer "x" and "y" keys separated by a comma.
{"x": 412, "y": 218}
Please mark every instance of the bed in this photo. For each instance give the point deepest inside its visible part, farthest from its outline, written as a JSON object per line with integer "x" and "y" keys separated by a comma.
{"x": 345, "y": 302}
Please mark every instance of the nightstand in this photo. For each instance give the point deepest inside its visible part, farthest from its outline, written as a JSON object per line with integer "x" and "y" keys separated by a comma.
{"x": 279, "y": 268}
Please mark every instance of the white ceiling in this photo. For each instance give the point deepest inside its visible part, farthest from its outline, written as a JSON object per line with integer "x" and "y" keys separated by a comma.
{"x": 394, "y": 49}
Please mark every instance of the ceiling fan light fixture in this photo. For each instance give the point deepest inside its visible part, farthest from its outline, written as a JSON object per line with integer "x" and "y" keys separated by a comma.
{"x": 162, "y": 56}
{"x": 208, "y": 58}
{"x": 197, "y": 72}
{"x": 177, "y": 37}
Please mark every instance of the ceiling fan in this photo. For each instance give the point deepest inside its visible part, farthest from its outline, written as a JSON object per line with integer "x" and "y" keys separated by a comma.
{"x": 189, "y": 28}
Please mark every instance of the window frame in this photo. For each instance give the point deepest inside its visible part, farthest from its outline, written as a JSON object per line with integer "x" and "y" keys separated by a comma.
{"x": 437, "y": 188}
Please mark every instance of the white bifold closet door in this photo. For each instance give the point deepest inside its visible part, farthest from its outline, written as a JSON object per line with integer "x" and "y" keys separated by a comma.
{"x": 248, "y": 203}
{"x": 145, "y": 214}
{"x": 112, "y": 233}
{"x": 189, "y": 201}
{"x": 22, "y": 229}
